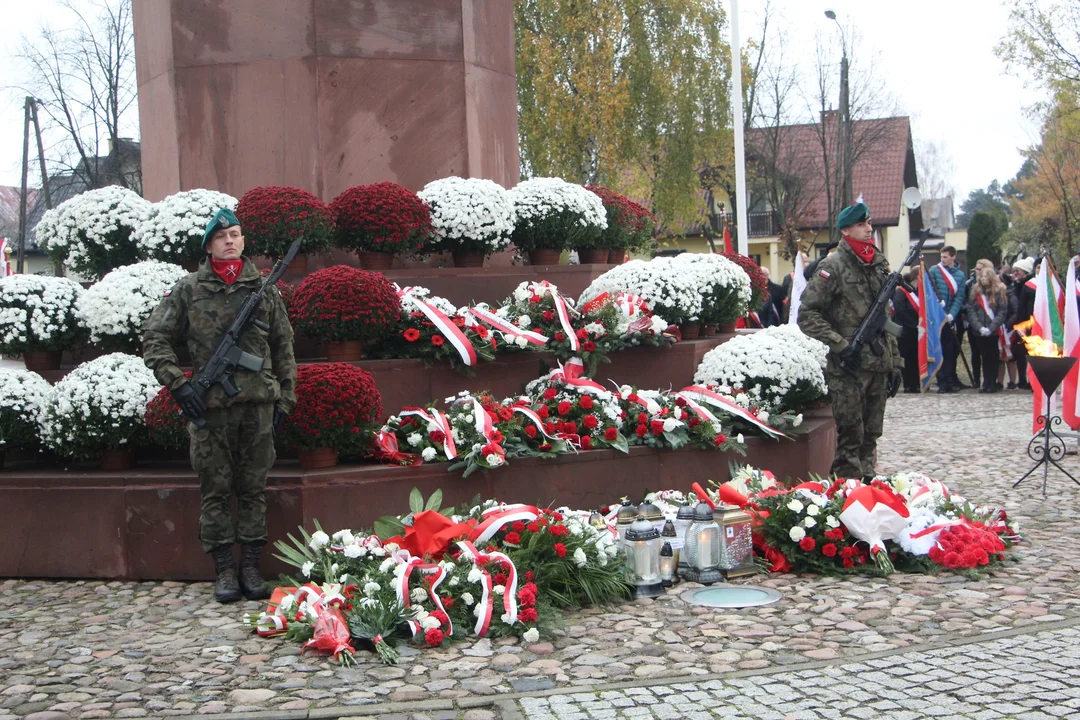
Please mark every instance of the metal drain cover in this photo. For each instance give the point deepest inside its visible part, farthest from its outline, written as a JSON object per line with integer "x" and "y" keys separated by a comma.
{"x": 731, "y": 596}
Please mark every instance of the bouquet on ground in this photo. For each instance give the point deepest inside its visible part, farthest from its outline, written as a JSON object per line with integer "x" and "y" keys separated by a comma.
{"x": 629, "y": 225}
{"x": 166, "y": 427}
{"x": 115, "y": 308}
{"x": 337, "y": 407}
{"x": 669, "y": 290}
{"x": 173, "y": 232}
{"x": 383, "y": 217}
{"x": 93, "y": 232}
{"x": 722, "y": 284}
{"x": 23, "y": 397}
{"x": 552, "y": 214}
{"x": 99, "y": 406}
{"x": 432, "y": 329}
{"x": 342, "y": 303}
{"x": 272, "y": 217}
{"x": 469, "y": 215}
{"x": 38, "y": 314}
{"x": 666, "y": 420}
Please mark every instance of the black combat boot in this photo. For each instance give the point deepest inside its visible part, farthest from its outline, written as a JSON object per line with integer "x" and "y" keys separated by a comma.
{"x": 226, "y": 589}
{"x": 251, "y": 581}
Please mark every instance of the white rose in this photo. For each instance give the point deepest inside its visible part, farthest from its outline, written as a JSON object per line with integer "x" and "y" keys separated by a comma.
{"x": 809, "y": 522}
{"x": 796, "y": 534}
{"x": 474, "y": 575}
{"x": 832, "y": 521}
{"x": 813, "y": 510}
{"x": 494, "y": 460}
{"x": 428, "y": 454}
{"x": 524, "y": 322}
{"x": 467, "y": 598}
{"x": 531, "y": 635}
{"x": 419, "y": 595}
{"x": 795, "y": 506}
{"x": 521, "y": 342}
{"x": 318, "y": 539}
{"x": 500, "y": 589}
{"x": 306, "y": 568}
{"x": 580, "y": 558}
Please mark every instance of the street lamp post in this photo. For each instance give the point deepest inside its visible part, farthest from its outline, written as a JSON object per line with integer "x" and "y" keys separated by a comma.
{"x": 845, "y": 117}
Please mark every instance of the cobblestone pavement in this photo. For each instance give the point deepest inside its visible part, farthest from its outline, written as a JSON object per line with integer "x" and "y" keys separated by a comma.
{"x": 97, "y": 649}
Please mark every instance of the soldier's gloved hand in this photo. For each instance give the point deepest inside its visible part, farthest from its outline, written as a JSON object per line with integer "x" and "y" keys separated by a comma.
{"x": 894, "y": 383}
{"x": 985, "y": 332}
{"x": 849, "y": 359}
{"x": 279, "y": 419}
{"x": 189, "y": 401}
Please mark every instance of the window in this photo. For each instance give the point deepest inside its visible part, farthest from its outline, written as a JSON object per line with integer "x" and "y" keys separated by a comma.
{"x": 756, "y": 259}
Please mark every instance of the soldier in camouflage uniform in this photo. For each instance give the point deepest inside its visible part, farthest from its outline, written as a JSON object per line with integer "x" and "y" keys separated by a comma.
{"x": 235, "y": 449}
{"x": 837, "y": 297}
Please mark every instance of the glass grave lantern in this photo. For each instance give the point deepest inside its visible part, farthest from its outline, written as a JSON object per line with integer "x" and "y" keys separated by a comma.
{"x": 652, "y": 513}
{"x": 667, "y": 565}
{"x": 642, "y": 544}
{"x": 736, "y": 542}
{"x": 683, "y": 520}
{"x": 626, "y": 515}
{"x": 703, "y": 548}
{"x": 597, "y": 521}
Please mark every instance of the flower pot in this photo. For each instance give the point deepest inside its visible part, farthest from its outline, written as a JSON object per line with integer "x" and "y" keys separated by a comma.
{"x": 544, "y": 256}
{"x": 40, "y": 361}
{"x": 708, "y": 330}
{"x": 463, "y": 259}
{"x": 346, "y": 351}
{"x": 690, "y": 331}
{"x": 726, "y": 328}
{"x": 616, "y": 257}
{"x": 323, "y": 457}
{"x": 592, "y": 256}
{"x": 376, "y": 260}
{"x": 116, "y": 460}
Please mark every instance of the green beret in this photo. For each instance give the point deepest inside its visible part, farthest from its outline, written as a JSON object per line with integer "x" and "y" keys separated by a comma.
{"x": 853, "y": 215}
{"x": 223, "y": 218}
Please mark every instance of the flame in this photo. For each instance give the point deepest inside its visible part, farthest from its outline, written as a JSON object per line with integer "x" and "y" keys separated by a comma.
{"x": 1035, "y": 345}
{"x": 1024, "y": 326}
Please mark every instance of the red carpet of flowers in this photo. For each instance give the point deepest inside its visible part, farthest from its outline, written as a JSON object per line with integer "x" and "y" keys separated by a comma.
{"x": 337, "y": 406}
{"x": 273, "y": 217}
{"x": 384, "y": 217}
{"x": 341, "y": 303}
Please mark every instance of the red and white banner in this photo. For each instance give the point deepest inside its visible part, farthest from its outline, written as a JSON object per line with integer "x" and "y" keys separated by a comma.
{"x": 481, "y": 561}
{"x": 496, "y": 518}
{"x": 536, "y": 420}
{"x": 708, "y": 397}
{"x": 445, "y": 325}
{"x": 507, "y": 328}
{"x": 441, "y": 423}
{"x": 571, "y": 374}
{"x": 404, "y": 595}
{"x": 545, "y": 288}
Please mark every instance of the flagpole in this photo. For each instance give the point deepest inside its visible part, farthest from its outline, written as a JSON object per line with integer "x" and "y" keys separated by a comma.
{"x": 737, "y": 122}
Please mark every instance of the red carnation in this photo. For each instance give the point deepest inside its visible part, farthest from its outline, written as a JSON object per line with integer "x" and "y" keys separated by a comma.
{"x": 828, "y": 550}
{"x": 559, "y": 336}
{"x": 657, "y": 427}
{"x": 582, "y": 334}
{"x": 641, "y": 431}
{"x": 550, "y": 393}
{"x": 517, "y": 526}
{"x": 513, "y": 538}
{"x": 412, "y": 334}
{"x": 549, "y": 427}
{"x": 848, "y": 562}
{"x": 543, "y": 412}
{"x": 499, "y": 579}
{"x": 694, "y": 421}
{"x": 548, "y": 315}
{"x": 448, "y": 602}
{"x": 526, "y": 598}
{"x": 560, "y": 550}
{"x": 611, "y": 434}
{"x": 586, "y": 442}
{"x": 440, "y": 616}
{"x": 433, "y": 637}
{"x": 559, "y": 530}
{"x": 564, "y": 408}
{"x": 533, "y": 527}
{"x": 437, "y": 340}
{"x": 527, "y": 615}
{"x": 586, "y": 402}
{"x": 642, "y": 418}
{"x": 590, "y": 421}
{"x": 530, "y": 431}
{"x": 588, "y": 346}
{"x": 720, "y": 439}
{"x": 807, "y": 544}
{"x": 436, "y": 436}
{"x": 529, "y": 577}
{"x": 570, "y": 427}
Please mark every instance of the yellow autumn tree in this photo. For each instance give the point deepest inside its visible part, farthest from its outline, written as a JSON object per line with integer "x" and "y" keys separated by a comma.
{"x": 631, "y": 94}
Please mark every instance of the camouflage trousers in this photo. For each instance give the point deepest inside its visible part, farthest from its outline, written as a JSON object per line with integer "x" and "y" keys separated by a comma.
{"x": 232, "y": 455}
{"x": 858, "y": 406}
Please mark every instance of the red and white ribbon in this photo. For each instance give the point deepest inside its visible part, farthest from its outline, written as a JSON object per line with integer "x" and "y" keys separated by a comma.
{"x": 445, "y": 325}
{"x": 571, "y": 374}
{"x": 485, "y": 427}
{"x": 507, "y": 328}
{"x": 487, "y": 600}
{"x": 276, "y": 623}
{"x": 531, "y": 414}
{"x": 404, "y": 595}
{"x": 708, "y": 397}
{"x": 496, "y": 518}
{"x": 441, "y": 423}
{"x": 545, "y": 288}
{"x": 702, "y": 412}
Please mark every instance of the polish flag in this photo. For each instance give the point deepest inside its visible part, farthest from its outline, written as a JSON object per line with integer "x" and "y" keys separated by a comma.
{"x": 1070, "y": 388}
{"x": 798, "y": 284}
{"x": 1046, "y": 323}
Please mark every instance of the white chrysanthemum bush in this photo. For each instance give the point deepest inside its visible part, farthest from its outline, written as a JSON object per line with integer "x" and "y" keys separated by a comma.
{"x": 673, "y": 295}
{"x": 23, "y": 395}
{"x": 723, "y": 285}
{"x": 92, "y": 233}
{"x": 38, "y": 314}
{"x": 553, "y": 214}
{"x": 173, "y": 233}
{"x": 99, "y": 406}
{"x": 114, "y": 308}
{"x": 469, "y": 215}
{"x": 769, "y": 370}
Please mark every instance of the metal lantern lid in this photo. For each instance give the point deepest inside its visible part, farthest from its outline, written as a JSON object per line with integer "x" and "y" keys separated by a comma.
{"x": 730, "y": 514}
{"x": 666, "y": 551}
{"x": 651, "y": 512}
{"x": 703, "y": 513}
{"x": 627, "y": 514}
{"x": 642, "y": 529}
{"x": 669, "y": 530}
{"x": 686, "y": 512}
{"x": 597, "y": 520}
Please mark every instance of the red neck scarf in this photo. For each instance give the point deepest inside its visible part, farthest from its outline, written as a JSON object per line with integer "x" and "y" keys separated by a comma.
{"x": 227, "y": 270}
{"x": 863, "y": 248}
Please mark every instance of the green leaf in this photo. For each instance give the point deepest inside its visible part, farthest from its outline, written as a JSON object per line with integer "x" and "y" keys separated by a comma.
{"x": 388, "y": 526}
{"x": 621, "y": 444}
{"x": 435, "y": 501}
{"x": 416, "y": 501}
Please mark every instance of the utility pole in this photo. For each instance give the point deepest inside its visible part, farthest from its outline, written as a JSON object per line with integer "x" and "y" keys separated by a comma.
{"x": 737, "y": 122}
{"x": 19, "y": 264}
{"x": 845, "y": 130}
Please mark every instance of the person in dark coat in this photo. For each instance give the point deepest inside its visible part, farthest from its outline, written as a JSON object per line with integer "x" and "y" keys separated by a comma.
{"x": 987, "y": 309}
{"x": 906, "y": 315}
{"x": 1023, "y": 281}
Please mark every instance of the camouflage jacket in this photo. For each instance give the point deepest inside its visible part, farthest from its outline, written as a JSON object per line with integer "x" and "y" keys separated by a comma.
{"x": 197, "y": 311}
{"x": 837, "y": 297}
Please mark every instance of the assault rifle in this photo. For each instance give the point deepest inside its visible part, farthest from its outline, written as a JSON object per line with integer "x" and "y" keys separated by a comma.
{"x": 876, "y": 320}
{"x": 228, "y": 356}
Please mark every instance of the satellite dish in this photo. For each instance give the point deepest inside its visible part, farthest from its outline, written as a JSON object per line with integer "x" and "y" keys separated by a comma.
{"x": 912, "y": 198}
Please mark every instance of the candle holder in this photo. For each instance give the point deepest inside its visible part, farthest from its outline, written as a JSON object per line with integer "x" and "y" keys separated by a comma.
{"x": 1046, "y": 447}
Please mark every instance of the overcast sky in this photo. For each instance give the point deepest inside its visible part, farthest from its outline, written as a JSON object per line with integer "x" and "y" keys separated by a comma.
{"x": 936, "y": 55}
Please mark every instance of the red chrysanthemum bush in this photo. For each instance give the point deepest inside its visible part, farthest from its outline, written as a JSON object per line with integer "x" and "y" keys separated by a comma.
{"x": 337, "y": 406}
{"x": 630, "y": 224}
{"x": 167, "y": 428}
{"x": 383, "y": 217}
{"x": 342, "y": 303}
{"x": 759, "y": 282}
{"x": 272, "y": 217}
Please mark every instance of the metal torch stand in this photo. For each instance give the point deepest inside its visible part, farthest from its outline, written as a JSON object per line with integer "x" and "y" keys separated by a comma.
{"x": 1046, "y": 447}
